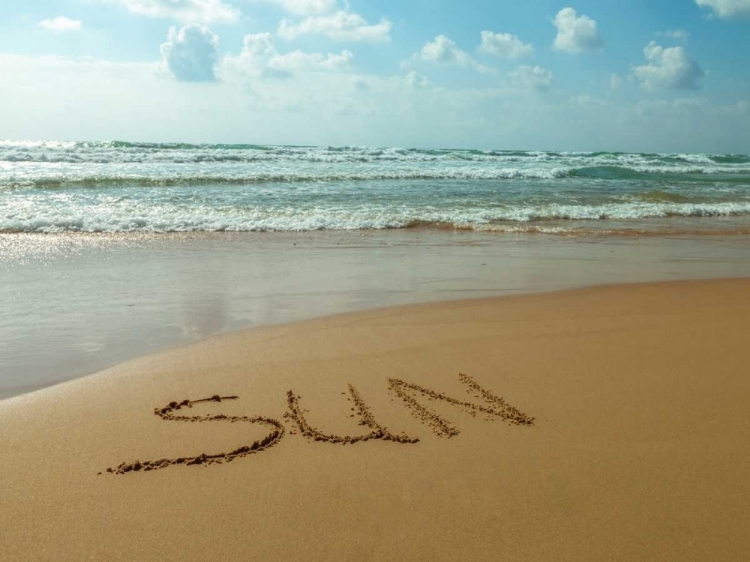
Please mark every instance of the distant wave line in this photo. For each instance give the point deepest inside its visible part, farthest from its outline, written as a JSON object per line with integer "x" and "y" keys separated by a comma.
{"x": 50, "y": 180}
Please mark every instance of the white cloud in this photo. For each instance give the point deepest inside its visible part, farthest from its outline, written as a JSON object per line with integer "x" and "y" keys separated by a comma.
{"x": 727, "y": 8}
{"x": 339, "y": 26}
{"x": 191, "y": 53}
{"x": 676, "y": 34}
{"x": 532, "y": 77}
{"x": 504, "y": 45}
{"x": 260, "y": 58}
{"x": 258, "y": 44}
{"x": 415, "y": 80}
{"x": 61, "y": 23}
{"x": 670, "y": 68}
{"x": 442, "y": 50}
{"x": 299, "y": 60}
{"x": 576, "y": 34}
{"x": 187, "y": 11}
{"x": 615, "y": 82}
{"x": 305, "y": 7}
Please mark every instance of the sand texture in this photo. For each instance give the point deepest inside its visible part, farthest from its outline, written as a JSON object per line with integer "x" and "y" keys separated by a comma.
{"x": 607, "y": 423}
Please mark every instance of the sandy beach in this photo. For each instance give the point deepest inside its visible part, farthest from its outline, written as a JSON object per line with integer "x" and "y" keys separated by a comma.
{"x": 321, "y": 280}
{"x": 605, "y": 423}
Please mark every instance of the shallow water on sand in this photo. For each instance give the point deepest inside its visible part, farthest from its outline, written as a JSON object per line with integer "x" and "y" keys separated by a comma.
{"x": 72, "y": 304}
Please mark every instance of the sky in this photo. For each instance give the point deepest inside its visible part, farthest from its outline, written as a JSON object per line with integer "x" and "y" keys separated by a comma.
{"x": 635, "y": 75}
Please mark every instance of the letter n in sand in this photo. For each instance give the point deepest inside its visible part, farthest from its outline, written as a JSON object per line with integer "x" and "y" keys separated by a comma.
{"x": 442, "y": 427}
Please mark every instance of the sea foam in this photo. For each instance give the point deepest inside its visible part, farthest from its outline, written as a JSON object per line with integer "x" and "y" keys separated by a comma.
{"x": 123, "y": 187}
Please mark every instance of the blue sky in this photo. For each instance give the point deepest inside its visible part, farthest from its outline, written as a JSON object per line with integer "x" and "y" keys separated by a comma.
{"x": 668, "y": 75}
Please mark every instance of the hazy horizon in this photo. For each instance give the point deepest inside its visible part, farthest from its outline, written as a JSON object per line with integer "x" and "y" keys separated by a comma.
{"x": 260, "y": 145}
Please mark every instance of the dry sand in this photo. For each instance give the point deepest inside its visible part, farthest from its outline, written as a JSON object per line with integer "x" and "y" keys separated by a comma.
{"x": 622, "y": 434}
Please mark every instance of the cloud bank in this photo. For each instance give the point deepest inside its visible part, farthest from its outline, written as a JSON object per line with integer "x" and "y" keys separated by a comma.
{"x": 330, "y": 108}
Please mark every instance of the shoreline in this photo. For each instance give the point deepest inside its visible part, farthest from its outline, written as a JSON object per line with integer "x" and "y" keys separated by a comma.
{"x": 65, "y": 317}
{"x": 335, "y": 317}
{"x": 629, "y": 403}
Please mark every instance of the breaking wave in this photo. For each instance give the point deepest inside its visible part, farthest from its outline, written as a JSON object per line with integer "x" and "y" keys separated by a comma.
{"x": 51, "y": 186}
{"x": 133, "y": 217}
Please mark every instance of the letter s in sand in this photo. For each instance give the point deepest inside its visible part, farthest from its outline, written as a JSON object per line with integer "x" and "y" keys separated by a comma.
{"x": 168, "y": 413}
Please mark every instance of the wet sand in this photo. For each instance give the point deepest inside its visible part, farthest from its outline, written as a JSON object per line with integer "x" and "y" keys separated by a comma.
{"x": 74, "y": 304}
{"x": 605, "y": 423}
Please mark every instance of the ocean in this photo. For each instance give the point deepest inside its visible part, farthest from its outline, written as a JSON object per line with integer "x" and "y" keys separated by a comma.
{"x": 109, "y": 187}
{"x": 113, "y": 250}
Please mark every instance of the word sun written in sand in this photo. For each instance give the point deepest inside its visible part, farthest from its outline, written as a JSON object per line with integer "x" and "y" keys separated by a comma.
{"x": 496, "y": 406}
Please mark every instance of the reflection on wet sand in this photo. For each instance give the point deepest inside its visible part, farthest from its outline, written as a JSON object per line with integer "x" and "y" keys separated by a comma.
{"x": 74, "y": 304}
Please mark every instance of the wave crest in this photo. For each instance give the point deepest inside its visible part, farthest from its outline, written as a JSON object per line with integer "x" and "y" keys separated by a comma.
{"x": 127, "y": 216}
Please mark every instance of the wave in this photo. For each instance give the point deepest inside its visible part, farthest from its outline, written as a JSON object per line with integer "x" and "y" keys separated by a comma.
{"x": 662, "y": 196}
{"x": 59, "y": 164}
{"x": 242, "y": 177}
{"x": 140, "y": 152}
{"x": 673, "y": 172}
{"x": 132, "y": 216}
{"x": 120, "y": 176}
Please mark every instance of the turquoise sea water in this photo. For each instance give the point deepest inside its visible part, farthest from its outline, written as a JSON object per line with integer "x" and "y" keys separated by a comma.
{"x": 125, "y": 187}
